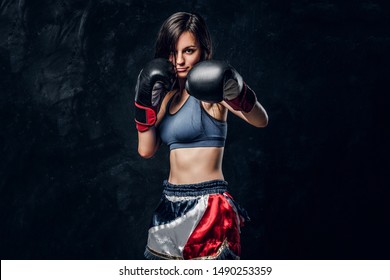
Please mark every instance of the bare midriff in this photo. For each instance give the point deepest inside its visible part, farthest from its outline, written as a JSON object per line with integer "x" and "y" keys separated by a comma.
{"x": 195, "y": 165}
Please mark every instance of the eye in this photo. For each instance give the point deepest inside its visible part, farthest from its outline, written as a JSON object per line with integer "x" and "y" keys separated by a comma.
{"x": 189, "y": 51}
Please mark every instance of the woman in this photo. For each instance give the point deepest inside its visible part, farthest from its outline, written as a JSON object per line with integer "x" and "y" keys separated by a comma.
{"x": 182, "y": 99}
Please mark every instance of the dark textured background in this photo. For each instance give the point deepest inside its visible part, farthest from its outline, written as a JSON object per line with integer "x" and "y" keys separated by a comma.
{"x": 314, "y": 181}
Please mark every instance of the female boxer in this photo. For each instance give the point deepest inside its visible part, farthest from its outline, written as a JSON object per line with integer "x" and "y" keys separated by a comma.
{"x": 182, "y": 99}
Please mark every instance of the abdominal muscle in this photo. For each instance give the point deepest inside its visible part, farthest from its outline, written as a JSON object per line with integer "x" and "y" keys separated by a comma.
{"x": 195, "y": 165}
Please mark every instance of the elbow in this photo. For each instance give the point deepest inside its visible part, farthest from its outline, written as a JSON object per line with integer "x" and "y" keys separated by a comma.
{"x": 262, "y": 123}
{"x": 145, "y": 153}
{"x": 258, "y": 117}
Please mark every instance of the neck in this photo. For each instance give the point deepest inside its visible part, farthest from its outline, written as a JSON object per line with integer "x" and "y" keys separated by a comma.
{"x": 182, "y": 84}
{"x": 181, "y": 90}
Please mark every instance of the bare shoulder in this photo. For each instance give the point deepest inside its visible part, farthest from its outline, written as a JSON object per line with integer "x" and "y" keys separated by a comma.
{"x": 163, "y": 106}
{"x": 166, "y": 99}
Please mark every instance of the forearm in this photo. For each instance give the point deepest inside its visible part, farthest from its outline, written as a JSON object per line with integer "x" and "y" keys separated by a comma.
{"x": 153, "y": 82}
{"x": 257, "y": 116}
{"x": 148, "y": 142}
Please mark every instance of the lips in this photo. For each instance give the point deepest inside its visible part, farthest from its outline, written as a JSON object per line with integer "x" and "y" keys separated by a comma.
{"x": 181, "y": 69}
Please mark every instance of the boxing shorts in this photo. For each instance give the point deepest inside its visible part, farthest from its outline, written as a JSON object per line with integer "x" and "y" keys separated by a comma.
{"x": 196, "y": 221}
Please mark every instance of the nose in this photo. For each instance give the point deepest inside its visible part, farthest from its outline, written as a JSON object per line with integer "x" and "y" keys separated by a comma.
{"x": 179, "y": 59}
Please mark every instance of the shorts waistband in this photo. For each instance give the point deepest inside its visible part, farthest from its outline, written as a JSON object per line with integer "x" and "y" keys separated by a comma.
{"x": 202, "y": 188}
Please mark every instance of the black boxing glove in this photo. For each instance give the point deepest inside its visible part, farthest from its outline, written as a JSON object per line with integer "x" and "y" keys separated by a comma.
{"x": 213, "y": 81}
{"x": 153, "y": 82}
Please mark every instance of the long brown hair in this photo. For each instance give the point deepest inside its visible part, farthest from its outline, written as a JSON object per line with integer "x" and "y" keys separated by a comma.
{"x": 174, "y": 26}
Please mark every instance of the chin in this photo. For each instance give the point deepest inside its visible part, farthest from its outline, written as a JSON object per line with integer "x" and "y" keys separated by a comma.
{"x": 182, "y": 75}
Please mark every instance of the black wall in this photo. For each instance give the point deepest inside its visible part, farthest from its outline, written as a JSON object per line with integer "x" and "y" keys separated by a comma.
{"x": 314, "y": 181}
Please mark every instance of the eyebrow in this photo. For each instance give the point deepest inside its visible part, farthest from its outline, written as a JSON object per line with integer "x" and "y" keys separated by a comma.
{"x": 191, "y": 46}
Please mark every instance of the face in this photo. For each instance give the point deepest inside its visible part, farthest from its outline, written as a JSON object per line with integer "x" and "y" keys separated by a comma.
{"x": 188, "y": 53}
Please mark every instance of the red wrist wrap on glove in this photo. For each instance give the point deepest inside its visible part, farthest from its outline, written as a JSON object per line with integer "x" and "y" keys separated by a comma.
{"x": 145, "y": 117}
{"x": 245, "y": 101}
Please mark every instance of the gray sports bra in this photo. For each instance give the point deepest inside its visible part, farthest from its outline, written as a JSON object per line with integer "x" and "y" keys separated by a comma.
{"x": 191, "y": 127}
